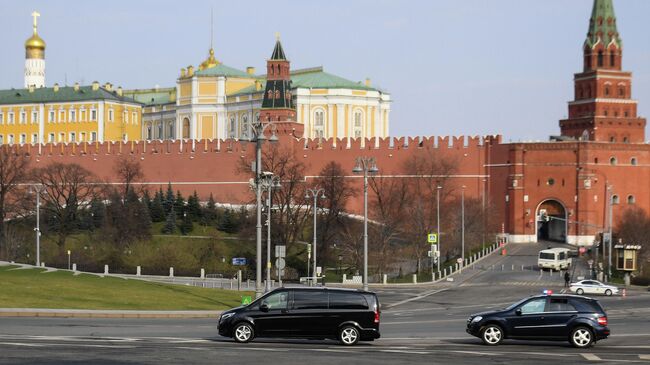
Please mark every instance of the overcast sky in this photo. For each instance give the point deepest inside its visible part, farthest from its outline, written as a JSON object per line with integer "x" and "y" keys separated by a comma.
{"x": 451, "y": 66}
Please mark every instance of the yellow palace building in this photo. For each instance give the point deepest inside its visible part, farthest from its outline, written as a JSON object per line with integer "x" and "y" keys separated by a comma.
{"x": 217, "y": 101}
{"x": 39, "y": 114}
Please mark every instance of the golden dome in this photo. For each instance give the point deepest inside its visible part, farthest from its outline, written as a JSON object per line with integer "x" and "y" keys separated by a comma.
{"x": 35, "y": 42}
{"x": 210, "y": 62}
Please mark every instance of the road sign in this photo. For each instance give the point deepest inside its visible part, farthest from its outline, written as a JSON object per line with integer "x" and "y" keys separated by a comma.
{"x": 590, "y": 262}
{"x": 246, "y": 300}
{"x": 280, "y": 263}
{"x": 432, "y": 238}
{"x": 459, "y": 260}
{"x": 239, "y": 261}
{"x": 280, "y": 251}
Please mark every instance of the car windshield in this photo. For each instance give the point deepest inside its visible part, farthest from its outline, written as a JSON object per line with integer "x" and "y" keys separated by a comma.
{"x": 513, "y": 306}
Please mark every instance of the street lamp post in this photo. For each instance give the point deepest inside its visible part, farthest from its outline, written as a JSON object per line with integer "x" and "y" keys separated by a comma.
{"x": 315, "y": 193}
{"x": 365, "y": 165}
{"x": 258, "y": 127}
{"x": 438, "y": 223}
{"x": 609, "y": 228}
{"x": 462, "y": 231}
{"x": 68, "y": 259}
{"x": 270, "y": 182}
{"x": 37, "y": 190}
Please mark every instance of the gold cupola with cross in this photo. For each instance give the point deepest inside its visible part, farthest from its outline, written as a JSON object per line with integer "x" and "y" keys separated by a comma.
{"x": 35, "y": 57}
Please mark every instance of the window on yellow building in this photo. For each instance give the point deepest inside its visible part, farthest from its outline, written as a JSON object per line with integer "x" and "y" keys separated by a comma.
{"x": 2, "y": 118}
{"x": 93, "y": 115}
{"x": 82, "y": 115}
{"x": 34, "y": 138}
{"x": 23, "y": 138}
{"x": 61, "y": 116}
{"x": 134, "y": 118}
{"x": 73, "y": 115}
{"x": 2, "y": 139}
{"x": 61, "y": 137}
{"x": 319, "y": 119}
{"x": 82, "y": 136}
{"x": 34, "y": 117}
{"x": 93, "y": 136}
{"x": 73, "y": 137}
{"x": 51, "y": 117}
{"x": 10, "y": 120}
{"x": 50, "y": 138}
{"x": 23, "y": 117}
{"x": 11, "y": 139}
{"x": 357, "y": 124}
{"x": 125, "y": 117}
{"x": 110, "y": 115}
{"x": 125, "y": 137}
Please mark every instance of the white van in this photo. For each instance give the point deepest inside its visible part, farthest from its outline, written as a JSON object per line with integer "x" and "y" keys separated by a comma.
{"x": 554, "y": 259}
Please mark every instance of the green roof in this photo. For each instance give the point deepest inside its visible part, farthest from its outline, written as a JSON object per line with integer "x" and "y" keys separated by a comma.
{"x": 223, "y": 70}
{"x": 152, "y": 96}
{"x": 602, "y": 24}
{"x": 64, "y": 94}
{"x": 313, "y": 78}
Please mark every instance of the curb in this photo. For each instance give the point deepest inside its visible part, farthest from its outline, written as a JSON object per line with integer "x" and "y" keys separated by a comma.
{"x": 72, "y": 313}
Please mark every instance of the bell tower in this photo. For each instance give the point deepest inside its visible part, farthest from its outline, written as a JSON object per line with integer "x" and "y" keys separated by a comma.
{"x": 35, "y": 58}
{"x": 603, "y": 109}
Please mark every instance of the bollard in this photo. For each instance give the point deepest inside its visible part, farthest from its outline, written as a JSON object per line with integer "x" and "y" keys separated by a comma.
{"x": 345, "y": 277}
{"x": 439, "y": 275}
{"x": 230, "y": 284}
{"x": 550, "y": 273}
{"x": 522, "y": 267}
{"x": 74, "y": 267}
{"x": 202, "y": 273}
{"x": 513, "y": 267}
{"x": 502, "y": 267}
{"x": 105, "y": 269}
{"x": 384, "y": 279}
{"x": 415, "y": 278}
{"x": 42, "y": 264}
{"x": 171, "y": 272}
{"x": 138, "y": 271}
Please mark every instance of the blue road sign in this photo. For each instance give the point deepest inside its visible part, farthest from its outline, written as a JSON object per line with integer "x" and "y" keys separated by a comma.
{"x": 239, "y": 261}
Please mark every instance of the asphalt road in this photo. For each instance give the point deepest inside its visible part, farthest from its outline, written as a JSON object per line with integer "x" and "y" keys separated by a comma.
{"x": 420, "y": 324}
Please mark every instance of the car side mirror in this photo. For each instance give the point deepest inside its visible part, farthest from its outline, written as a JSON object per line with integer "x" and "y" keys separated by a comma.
{"x": 264, "y": 307}
{"x": 518, "y": 311}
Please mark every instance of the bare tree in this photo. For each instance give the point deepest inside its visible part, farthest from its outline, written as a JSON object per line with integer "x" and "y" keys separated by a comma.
{"x": 338, "y": 191}
{"x": 66, "y": 189}
{"x": 634, "y": 228}
{"x": 128, "y": 170}
{"x": 426, "y": 173}
{"x": 14, "y": 169}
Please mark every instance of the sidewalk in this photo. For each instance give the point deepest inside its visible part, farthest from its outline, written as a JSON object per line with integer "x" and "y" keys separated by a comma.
{"x": 85, "y": 313}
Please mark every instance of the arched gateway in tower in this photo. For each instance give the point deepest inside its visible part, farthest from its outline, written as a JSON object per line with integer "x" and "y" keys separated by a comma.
{"x": 552, "y": 221}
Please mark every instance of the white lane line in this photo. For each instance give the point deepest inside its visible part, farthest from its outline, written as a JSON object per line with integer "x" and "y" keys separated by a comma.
{"x": 21, "y": 344}
{"x": 262, "y": 349}
{"x": 406, "y": 352}
{"x": 477, "y": 353}
{"x": 331, "y": 350}
{"x": 591, "y": 357}
{"x": 422, "y": 296}
{"x": 644, "y": 357}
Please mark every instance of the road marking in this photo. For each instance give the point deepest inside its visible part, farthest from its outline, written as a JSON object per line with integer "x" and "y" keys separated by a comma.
{"x": 644, "y": 357}
{"x": 330, "y": 350}
{"x": 406, "y": 352}
{"x": 591, "y": 357}
{"x": 433, "y": 321}
{"x": 21, "y": 344}
{"x": 422, "y": 296}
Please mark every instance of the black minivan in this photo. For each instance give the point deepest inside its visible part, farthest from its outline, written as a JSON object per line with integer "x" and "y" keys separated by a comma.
{"x": 318, "y": 313}
{"x": 580, "y": 320}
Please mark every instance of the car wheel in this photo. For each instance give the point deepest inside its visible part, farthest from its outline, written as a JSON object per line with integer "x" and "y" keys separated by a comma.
{"x": 580, "y": 291}
{"x": 492, "y": 335}
{"x": 243, "y": 332}
{"x": 349, "y": 335}
{"x": 581, "y": 337}
{"x": 608, "y": 293}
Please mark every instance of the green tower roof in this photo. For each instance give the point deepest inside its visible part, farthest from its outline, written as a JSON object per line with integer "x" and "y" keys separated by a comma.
{"x": 602, "y": 24}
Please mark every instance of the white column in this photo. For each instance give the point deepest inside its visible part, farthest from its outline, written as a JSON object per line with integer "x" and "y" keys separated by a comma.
{"x": 41, "y": 123}
{"x": 330, "y": 120}
{"x": 340, "y": 122}
{"x": 100, "y": 122}
{"x": 378, "y": 123}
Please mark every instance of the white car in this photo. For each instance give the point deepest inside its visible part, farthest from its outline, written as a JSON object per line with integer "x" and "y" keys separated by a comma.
{"x": 592, "y": 287}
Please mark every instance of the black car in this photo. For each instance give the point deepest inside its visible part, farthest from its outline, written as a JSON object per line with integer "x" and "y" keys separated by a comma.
{"x": 347, "y": 315}
{"x": 580, "y": 320}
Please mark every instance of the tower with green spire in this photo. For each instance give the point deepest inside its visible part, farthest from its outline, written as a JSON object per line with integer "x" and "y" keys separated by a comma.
{"x": 603, "y": 46}
{"x": 603, "y": 109}
{"x": 278, "y": 104}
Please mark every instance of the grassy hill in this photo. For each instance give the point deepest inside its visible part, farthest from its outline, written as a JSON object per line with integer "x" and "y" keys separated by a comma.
{"x": 35, "y": 288}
